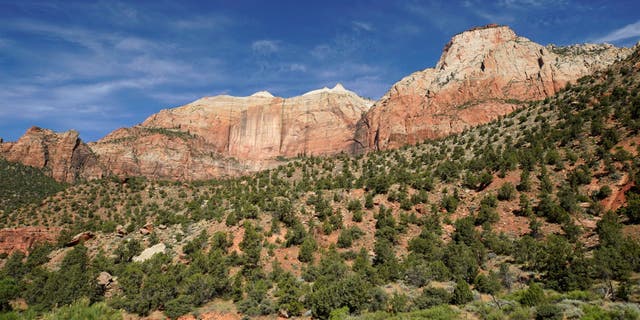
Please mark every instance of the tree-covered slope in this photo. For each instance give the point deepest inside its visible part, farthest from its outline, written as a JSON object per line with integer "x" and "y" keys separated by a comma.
{"x": 21, "y": 185}
{"x": 531, "y": 216}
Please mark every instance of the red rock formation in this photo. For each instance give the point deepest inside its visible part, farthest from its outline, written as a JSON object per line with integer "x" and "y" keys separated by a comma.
{"x": 226, "y": 135}
{"x": 483, "y": 73}
{"x": 63, "y": 155}
{"x": 24, "y": 238}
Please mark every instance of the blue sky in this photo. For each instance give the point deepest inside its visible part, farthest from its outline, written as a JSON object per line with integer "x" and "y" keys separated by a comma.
{"x": 95, "y": 66}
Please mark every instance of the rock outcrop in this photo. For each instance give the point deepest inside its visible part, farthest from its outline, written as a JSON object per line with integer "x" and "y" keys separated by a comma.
{"x": 63, "y": 155}
{"x": 24, "y": 238}
{"x": 483, "y": 73}
{"x": 225, "y": 135}
{"x": 150, "y": 252}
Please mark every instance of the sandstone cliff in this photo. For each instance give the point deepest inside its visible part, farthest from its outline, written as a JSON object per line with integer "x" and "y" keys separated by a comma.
{"x": 225, "y": 135}
{"x": 483, "y": 73}
{"x": 63, "y": 155}
{"x": 24, "y": 238}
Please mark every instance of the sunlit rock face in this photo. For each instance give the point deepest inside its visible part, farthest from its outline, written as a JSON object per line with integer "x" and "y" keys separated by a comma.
{"x": 226, "y": 135}
{"x": 483, "y": 73}
{"x": 62, "y": 155}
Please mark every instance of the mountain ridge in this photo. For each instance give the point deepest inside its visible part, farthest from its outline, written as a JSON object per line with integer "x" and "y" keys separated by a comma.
{"x": 483, "y": 73}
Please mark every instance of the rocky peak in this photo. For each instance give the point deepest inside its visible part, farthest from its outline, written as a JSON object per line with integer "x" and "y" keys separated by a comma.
{"x": 63, "y": 155}
{"x": 337, "y": 89}
{"x": 263, "y": 94}
{"x": 482, "y": 74}
{"x": 474, "y": 43}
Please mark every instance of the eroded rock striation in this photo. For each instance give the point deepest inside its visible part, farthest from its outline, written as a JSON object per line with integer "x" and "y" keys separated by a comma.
{"x": 483, "y": 73}
{"x": 226, "y": 135}
{"x": 63, "y": 155}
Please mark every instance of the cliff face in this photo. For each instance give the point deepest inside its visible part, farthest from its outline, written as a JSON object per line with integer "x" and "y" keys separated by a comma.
{"x": 483, "y": 73}
{"x": 63, "y": 155}
{"x": 161, "y": 154}
{"x": 24, "y": 238}
{"x": 227, "y": 135}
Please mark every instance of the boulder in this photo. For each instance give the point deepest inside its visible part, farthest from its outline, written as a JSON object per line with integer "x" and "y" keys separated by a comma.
{"x": 80, "y": 238}
{"x": 149, "y": 252}
{"x": 146, "y": 229}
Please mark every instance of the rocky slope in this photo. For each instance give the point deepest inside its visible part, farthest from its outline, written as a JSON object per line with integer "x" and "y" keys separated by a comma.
{"x": 225, "y": 135}
{"x": 483, "y": 73}
{"x": 63, "y": 155}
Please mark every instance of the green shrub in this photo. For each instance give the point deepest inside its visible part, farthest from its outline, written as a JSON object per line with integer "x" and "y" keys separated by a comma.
{"x": 81, "y": 309}
{"x": 432, "y": 297}
{"x": 178, "y": 306}
{"x": 533, "y": 296}
{"x": 548, "y": 311}
{"x": 462, "y": 293}
{"x": 506, "y": 192}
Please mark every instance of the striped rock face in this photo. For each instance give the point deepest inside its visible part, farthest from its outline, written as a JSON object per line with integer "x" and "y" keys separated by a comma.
{"x": 225, "y": 135}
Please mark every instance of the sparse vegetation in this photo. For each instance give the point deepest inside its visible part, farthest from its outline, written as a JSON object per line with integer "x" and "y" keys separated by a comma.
{"x": 506, "y": 220}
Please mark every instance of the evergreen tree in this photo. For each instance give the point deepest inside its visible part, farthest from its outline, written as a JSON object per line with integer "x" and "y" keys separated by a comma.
{"x": 462, "y": 293}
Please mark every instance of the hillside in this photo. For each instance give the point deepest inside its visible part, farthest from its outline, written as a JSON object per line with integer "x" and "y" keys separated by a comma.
{"x": 22, "y": 185}
{"x": 533, "y": 215}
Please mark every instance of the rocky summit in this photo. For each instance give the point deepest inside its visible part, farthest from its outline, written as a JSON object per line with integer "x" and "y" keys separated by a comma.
{"x": 482, "y": 74}
{"x": 63, "y": 155}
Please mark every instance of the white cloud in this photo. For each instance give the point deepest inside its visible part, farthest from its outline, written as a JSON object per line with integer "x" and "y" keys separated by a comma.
{"x": 407, "y": 29}
{"x": 265, "y": 46}
{"x": 494, "y": 17}
{"x": 359, "y": 25}
{"x": 121, "y": 11}
{"x": 70, "y": 88}
{"x": 134, "y": 44}
{"x": 626, "y": 32}
{"x": 297, "y": 67}
{"x": 439, "y": 15}
{"x": 78, "y": 36}
{"x": 521, "y": 4}
{"x": 202, "y": 22}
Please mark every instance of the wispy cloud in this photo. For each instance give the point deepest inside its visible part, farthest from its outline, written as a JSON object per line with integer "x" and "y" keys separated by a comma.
{"x": 495, "y": 17}
{"x": 359, "y": 25}
{"x": 519, "y": 4}
{"x": 297, "y": 67}
{"x": 265, "y": 46}
{"x": 88, "y": 72}
{"x": 438, "y": 15}
{"x": 210, "y": 22}
{"x": 626, "y": 32}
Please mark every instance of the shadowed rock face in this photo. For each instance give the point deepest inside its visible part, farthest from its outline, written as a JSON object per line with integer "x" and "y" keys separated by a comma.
{"x": 63, "y": 155}
{"x": 227, "y": 135}
{"x": 483, "y": 73}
